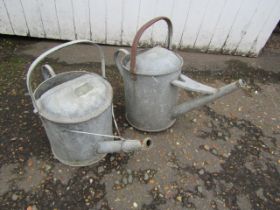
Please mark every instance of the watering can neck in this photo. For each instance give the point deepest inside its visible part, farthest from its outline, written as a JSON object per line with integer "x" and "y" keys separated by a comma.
{"x": 213, "y": 94}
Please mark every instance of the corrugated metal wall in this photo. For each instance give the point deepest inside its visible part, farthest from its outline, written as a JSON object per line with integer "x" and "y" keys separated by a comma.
{"x": 239, "y": 27}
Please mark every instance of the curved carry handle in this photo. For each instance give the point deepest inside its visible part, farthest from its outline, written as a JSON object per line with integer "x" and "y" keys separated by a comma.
{"x": 52, "y": 50}
{"x": 118, "y": 61}
{"x": 138, "y": 36}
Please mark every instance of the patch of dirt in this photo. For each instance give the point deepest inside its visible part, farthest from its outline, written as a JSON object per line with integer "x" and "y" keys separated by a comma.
{"x": 210, "y": 158}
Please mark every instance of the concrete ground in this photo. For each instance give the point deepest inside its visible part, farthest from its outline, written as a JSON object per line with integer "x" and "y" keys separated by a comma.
{"x": 225, "y": 155}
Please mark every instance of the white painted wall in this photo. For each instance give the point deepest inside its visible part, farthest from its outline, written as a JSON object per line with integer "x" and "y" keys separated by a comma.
{"x": 239, "y": 27}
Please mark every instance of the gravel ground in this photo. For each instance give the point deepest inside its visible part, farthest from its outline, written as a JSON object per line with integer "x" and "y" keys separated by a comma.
{"x": 225, "y": 155}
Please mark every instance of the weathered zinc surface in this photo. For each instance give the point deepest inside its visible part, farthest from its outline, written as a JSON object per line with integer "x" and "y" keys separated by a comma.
{"x": 152, "y": 79}
{"x": 223, "y": 156}
{"x": 232, "y": 27}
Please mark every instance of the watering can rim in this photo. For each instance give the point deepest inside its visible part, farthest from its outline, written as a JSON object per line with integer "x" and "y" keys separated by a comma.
{"x": 126, "y": 60}
{"x": 39, "y": 59}
{"x": 65, "y": 120}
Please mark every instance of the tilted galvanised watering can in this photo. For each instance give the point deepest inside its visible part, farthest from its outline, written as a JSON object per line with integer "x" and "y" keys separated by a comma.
{"x": 151, "y": 80}
{"x": 76, "y": 111}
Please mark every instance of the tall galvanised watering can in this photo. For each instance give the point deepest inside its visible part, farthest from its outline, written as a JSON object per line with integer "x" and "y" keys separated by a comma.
{"x": 151, "y": 81}
{"x": 76, "y": 111}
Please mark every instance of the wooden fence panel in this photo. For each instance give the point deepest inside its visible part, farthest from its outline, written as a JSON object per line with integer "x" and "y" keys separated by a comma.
{"x": 239, "y": 27}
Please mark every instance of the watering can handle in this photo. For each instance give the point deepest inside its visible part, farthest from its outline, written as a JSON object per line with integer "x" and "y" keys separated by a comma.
{"x": 52, "y": 50}
{"x": 139, "y": 34}
{"x": 117, "y": 59}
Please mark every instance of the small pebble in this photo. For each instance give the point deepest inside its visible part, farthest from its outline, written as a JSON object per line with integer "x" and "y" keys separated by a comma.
{"x": 206, "y": 147}
{"x": 199, "y": 189}
{"x": 201, "y": 171}
{"x": 135, "y": 205}
{"x": 226, "y": 155}
{"x": 29, "y": 208}
{"x": 152, "y": 181}
{"x": 130, "y": 179}
{"x": 14, "y": 197}
{"x": 100, "y": 169}
{"x": 214, "y": 151}
{"x": 220, "y": 134}
{"x": 34, "y": 207}
{"x": 179, "y": 198}
{"x": 128, "y": 171}
{"x": 48, "y": 167}
{"x": 146, "y": 176}
{"x": 124, "y": 180}
{"x": 171, "y": 165}
{"x": 112, "y": 158}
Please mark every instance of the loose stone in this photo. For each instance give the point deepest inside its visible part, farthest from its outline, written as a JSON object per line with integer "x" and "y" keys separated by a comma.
{"x": 124, "y": 180}
{"x": 130, "y": 179}
{"x": 146, "y": 176}
{"x": 199, "y": 189}
{"x": 214, "y": 151}
{"x": 135, "y": 205}
{"x": 14, "y": 197}
{"x": 100, "y": 169}
{"x": 201, "y": 171}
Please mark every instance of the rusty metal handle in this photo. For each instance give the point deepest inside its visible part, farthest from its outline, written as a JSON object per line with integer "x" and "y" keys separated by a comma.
{"x": 139, "y": 34}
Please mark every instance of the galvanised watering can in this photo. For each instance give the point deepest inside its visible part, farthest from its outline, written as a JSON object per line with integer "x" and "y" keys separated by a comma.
{"x": 76, "y": 111}
{"x": 151, "y": 81}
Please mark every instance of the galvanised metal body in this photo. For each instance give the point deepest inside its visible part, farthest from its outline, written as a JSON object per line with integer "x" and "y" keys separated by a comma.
{"x": 151, "y": 80}
{"x": 76, "y": 112}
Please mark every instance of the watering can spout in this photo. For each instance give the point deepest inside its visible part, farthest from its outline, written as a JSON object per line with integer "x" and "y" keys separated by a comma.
{"x": 123, "y": 146}
{"x": 188, "y": 106}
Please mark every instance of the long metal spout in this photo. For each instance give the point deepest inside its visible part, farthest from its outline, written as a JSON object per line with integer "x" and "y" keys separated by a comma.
{"x": 188, "y": 106}
{"x": 123, "y": 146}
